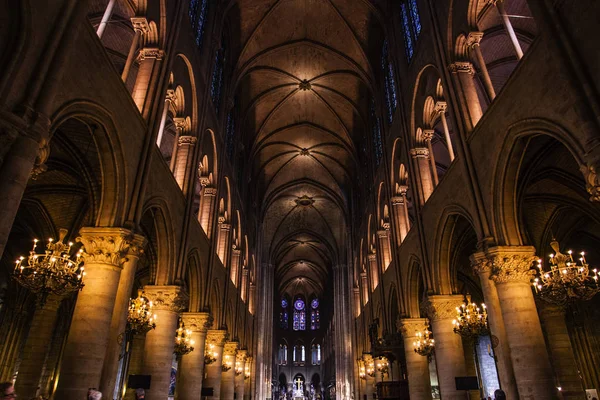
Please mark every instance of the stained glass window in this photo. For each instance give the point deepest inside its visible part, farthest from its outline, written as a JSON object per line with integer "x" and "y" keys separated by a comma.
{"x": 283, "y": 315}
{"x": 217, "y": 78}
{"x": 299, "y": 320}
{"x": 197, "y": 14}
{"x": 299, "y": 304}
{"x": 391, "y": 97}
{"x": 314, "y": 303}
{"x": 376, "y": 132}
{"x": 315, "y": 319}
{"x": 284, "y": 303}
{"x": 411, "y": 24}
{"x": 230, "y": 134}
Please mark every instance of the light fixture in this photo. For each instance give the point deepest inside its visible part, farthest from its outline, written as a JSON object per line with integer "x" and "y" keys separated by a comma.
{"x": 51, "y": 272}
{"x": 139, "y": 316}
{"x": 238, "y": 368}
{"x": 424, "y": 345}
{"x": 370, "y": 368}
{"x": 362, "y": 372}
{"x": 383, "y": 365}
{"x": 210, "y": 355}
{"x": 568, "y": 280}
{"x": 471, "y": 320}
{"x": 227, "y": 363}
{"x": 183, "y": 341}
{"x": 247, "y": 371}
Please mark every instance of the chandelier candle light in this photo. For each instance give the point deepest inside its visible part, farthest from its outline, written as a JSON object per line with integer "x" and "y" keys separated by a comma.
{"x": 424, "y": 345}
{"x": 568, "y": 280}
{"x": 51, "y": 272}
{"x": 238, "y": 368}
{"x": 140, "y": 317}
{"x": 210, "y": 355}
{"x": 227, "y": 363}
{"x": 183, "y": 342}
{"x": 247, "y": 371}
{"x": 471, "y": 320}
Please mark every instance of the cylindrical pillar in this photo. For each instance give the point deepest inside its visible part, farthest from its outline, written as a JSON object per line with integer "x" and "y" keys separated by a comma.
{"x": 163, "y": 117}
{"x": 417, "y": 366}
{"x": 464, "y": 72}
{"x": 509, "y": 29}
{"x": 421, "y": 157}
{"x": 402, "y": 224}
{"x": 106, "y": 18}
{"x": 147, "y": 58}
{"x": 511, "y": 271}
{"x": 140, "y": 26}
{"x": 228, "y": 377}
{"x": 441, "y": 107}
{"x": 136, "y": 361}
{"x": 383, "y": 239}
{"x": 449, "y": 355}
{"x": 224, "y": 242}
{"x": 473, "y": 42}
{"x": 168, "y": 301}
{"x": 88, "y": 339}
{"x": 374, "y": 269}
{"x": 119, "y": 317}
{"x": 427, "y": 138}
{"x": 192, "y": 364}
{"x": 215, "y": 340}
{"x": 561, "y": 351}
{"x": 482, "y": 267}
{"x": 185, "y": 152}
{"x": 239, "y": 374}
{"x": 247, "y": 380}
{"x": 36, "y": 347}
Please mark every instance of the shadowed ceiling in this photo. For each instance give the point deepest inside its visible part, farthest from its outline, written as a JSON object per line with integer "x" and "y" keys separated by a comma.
{"x": 303, "y": 74}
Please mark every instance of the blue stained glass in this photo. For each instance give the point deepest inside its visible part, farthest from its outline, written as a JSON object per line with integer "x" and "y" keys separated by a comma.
{"x": 193, "y": 11}
{"x": 201, "y": 22}
{"x": 217, "y": 80}
{"x": 391, "y": 99}
{"x": 283, "y": 320}
{"x": 408, "y": 37}
{"x": 314, "y": 303}
{"x": 299, "y": 320}
{"x": 376, "y": 132}
{"x": 416, "y": 19}
{"x": 284, "y": 303}
{"x": 230, "y": 134}
{"x": 299, "y": 304}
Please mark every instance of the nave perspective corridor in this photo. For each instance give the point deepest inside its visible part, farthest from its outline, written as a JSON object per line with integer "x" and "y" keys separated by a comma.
{"x": 300, "y": 199}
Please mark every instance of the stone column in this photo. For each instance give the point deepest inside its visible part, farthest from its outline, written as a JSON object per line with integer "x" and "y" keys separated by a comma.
{"x": 169, "y": 99}
{"x": 36, "y": 347}
{"x": 185, "y": 152}
{"x": 244, "y": 293}
{"x": 482, "y": 267}
{"x": 239, "y": 376}
{"x": 473, "y": 40}
{"x": 417, "y": 366}
{"x": 374, "y": 268}
{"x": 224, "y": 237}
{"x": 209, "y": 195}
{"x": 147, "y": 58}
{"x": 383, "y": 238}
{"x": 561, "y": 351}
{"x": 427, "y": 138}
{"x": 449, "y": 354}
{"x": 421, "y": 157}
{"x": 228, "y": 377}
{"x": 463, "y": 72}
{"x": 512, "y": 274}
{"x": 508, "y": 27}
{"x": 118, "y": 324}
{"x": 441, "y": 107}
{"x": 189, "y": 386}
{"x": 235, "y": 266}
{"x": 140, "y": 26}
{"x": 179, "y": 129}
{"x": 401, "y": 214}
{"x": 357, "y": 302}
{"x": 167, "y": 302}
{"x": 369, "y": 380}
{"x": 364, "y": 283}
{"x": 247, "y": 380}
{"x": 105, "y": 18}
{"x": 88, "y": 339}
{"x": 215, "y": 340}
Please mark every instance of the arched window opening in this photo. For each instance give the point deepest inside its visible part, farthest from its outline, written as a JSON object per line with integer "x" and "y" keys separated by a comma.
{"x": 315, "y": 318}
{"x": 197, "y": 13}
{"x": 411, "y": 25}
{"x": 299, "y": 354}
{"x": 376, "y": 133}
{"x": 283, "y": 354}
{"x": 299, "y": 315}
{"x": 284, "y": 315}
{"x": 391, "y": 97}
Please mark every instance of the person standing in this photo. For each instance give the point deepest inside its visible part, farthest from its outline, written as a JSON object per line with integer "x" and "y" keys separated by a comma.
{"x": 140, "y": 394}
{"x": 7, "y": 391}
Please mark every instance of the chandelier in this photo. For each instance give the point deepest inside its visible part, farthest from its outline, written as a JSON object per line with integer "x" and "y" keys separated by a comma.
{"x": 247, "y": 371}
{"x": 227, "y": 363}
{"x": 238, "y": 368}
{"x": 370, "y": 368}
{"x": 140, "y": 317}
{"x": 568, "y": 280}
{"x": 383, "y": 365}
{"x": 362, "y": 373}
{"x": 471, "y": 320}
{"x": 183, "y": 342}
{"x": 424, "y": 345}
{"x": 51, "y": 272}
{"x": 210, "y": 355}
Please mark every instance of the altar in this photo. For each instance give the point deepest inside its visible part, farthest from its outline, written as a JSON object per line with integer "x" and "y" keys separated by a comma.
{"x": 298, "y": 393}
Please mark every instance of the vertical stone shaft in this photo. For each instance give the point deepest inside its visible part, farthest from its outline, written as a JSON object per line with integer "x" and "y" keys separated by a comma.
{"x": 207, "y": 209}
{"x": 88, "y": 339}
{"x": 189, "y": 386}
{"x": 235, "y": 266}
{"x": 482, "y": 268}
{"x": 224, "y": 238}
{"x": 420, "y": 156}
{"x": 509, "y": 29}
{"x": 215, "y": 339}
{"x": 511, "y": 273}
{"x": 148, "y": 58}
{"x": 374, "y": 269}
{"x": 239, "y": 376}
{"x": 168, "y": 301}
{"x": 383, "y": 239}
{"x": 183, "y": 168}
{"x": 247, "y": 380}
{"x": 228, "y": 377}
{"x": 464, "y": 72}
{"x": 402, "y": 224}
{"x": 473, "y": 40}
{"x": 561, "y": 351}
{"x": 417, "y": 366}
{"x": 36, "y": 347}
{"x": 448, "y": 345}
{"x": 119, "y": 317}
{"x": 369, "y": 380}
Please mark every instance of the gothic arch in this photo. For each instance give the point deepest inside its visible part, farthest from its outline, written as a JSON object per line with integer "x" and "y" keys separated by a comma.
{"x": 195, "y": 274}
{"x": 157, "y": 225}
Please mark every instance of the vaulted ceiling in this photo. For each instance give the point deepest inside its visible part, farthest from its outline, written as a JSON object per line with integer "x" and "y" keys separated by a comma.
{"x": 303, "y": 77}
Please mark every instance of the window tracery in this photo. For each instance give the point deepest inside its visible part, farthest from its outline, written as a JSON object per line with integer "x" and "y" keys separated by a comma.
{"x": 411, "y": 25}
{"x": 299, "y": 315}
{"x": 391, "y": 97}
{"x": 197, "y": 13}
{"x": 315, "y": 318}
{"x": 376, "y": 133}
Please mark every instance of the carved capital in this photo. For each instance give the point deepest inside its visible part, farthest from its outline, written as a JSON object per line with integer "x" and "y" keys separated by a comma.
{"x": 40, "y": 166}
{"x": 204, "y": 180}
{"x": 216, "y": 337}
{"x": 398, "y": 200}
{"x": 383, "y": 233}
{"x": 108, "y": 245}
{"x": 462, "y": 67}
{"x": 409, "y": 327}
{"x": 197, "y": 322}
{"x": 171, "y": 95}
{"x": 187, "y": 140}
{"x": 512, "y": 263}
{"x": 241, "y": 355}
{"x": 427, "y": 135}
{"x": 169, "y": 298}
{"x": 418, "y": 152}
{"x": 210, "y": 191}
{"x": 224, "y": 226}
{"x": 473, "y": 38}
{"x": 438, "y": 307}
{"x": 440, "y": 107}
{"x": 480, "y": 263}
{"x": 150, "y": 52}
{"x": 372, "y": 257}
{"x": 591, "y": 174}
{"x": 140, "y": 24}
{"x": 230, "y": 349}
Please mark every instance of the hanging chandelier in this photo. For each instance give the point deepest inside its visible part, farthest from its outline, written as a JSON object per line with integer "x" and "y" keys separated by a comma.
{"x": 383, "y": 365}
{"x": 210, "y": 355}
{"x": 370, "y": 368}
{"x": 247, "y": 371}
{"x": 227, "y": 363}
{"x": 140, "y": 317}
{"x": 568, "y": 280}
{"x": 51, "y": 272}
{"x": 183, "y": 341}
{"x": 238, "y": 368}
{"x": 471, "y": 320}
{"x": 362, "y": 373}
{"x": 424, "y": 345}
